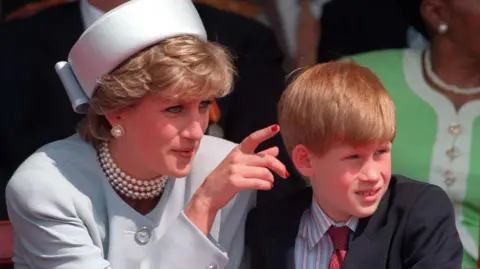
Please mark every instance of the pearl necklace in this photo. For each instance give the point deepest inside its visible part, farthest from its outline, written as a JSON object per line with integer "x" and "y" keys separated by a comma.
{"x": 125, "y": 184}
{"x": 427, "y": 61}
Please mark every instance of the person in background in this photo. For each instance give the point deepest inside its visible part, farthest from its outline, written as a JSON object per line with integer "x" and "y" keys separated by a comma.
{"x": 311, "y": 31}
{"x": 356, "y": 213}
{"x": 140, "y": 186}
{"x": 437, "y": 97}
{"x": 296, "y": 26}
{"x": 44, "y": 38}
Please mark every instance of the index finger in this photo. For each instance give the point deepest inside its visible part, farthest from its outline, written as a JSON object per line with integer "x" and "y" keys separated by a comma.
{"x": 251, "y": 142}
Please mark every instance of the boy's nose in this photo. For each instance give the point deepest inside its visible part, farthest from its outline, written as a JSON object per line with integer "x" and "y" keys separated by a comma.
{"x": 370, "y": 176}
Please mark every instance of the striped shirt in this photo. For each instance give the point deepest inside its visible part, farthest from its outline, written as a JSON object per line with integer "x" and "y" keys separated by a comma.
{"x": 313, "y": 246}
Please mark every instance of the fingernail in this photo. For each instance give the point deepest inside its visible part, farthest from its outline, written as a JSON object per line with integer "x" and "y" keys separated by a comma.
{"x": 287, "y": 174}
{"x": 275, "y": 128}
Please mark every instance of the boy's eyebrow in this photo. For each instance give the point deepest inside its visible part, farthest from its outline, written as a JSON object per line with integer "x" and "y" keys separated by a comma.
{"x": 370, "y": 146}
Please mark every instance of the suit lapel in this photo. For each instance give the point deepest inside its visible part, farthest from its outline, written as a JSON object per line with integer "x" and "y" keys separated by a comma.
{"x": 365, "y": 249}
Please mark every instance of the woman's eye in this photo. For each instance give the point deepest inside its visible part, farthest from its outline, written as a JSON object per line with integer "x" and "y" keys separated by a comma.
{"x": 180, "y": 108}
{"x": 205, "y": 104}
{"x": 353, "y": 157}
{"x": 174, "y": 109}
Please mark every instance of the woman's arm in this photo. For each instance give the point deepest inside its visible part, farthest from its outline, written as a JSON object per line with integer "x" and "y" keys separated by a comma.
{"x": 48, "y": 232}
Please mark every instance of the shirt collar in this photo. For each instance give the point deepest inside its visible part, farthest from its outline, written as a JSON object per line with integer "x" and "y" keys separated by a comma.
{"x": 318, "y": 224}
{"x": 89, "y": 13}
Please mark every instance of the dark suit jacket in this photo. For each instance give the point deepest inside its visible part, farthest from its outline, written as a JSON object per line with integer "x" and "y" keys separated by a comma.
{"x": 35, "y": 110}
{"x": 413, "y": 227}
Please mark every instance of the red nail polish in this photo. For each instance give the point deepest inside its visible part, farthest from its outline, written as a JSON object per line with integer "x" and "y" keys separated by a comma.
{"x": 275, "y": 128}
{"x": 287, "y": 174}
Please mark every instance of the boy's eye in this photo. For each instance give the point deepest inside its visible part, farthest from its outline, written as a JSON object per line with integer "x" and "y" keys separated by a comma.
{"x": 380, "y": 152}
{"x": 174, "y": 109}
{"x": 353, "y": 157}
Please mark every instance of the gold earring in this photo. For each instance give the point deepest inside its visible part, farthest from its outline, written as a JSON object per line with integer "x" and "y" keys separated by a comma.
{"x": 117, "y": 131}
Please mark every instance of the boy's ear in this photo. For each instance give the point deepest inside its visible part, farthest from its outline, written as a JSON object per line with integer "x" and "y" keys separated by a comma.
{"x": 302, "y": 160}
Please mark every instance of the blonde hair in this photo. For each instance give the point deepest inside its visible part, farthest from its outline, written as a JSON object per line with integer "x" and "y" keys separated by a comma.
{"x": 334, "y": 103}
{"x": 183, "y": 65}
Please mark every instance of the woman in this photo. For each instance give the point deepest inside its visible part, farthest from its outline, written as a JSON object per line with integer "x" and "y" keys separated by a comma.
{"x": 139, "y": 186}
{"x": 437, "y": 96}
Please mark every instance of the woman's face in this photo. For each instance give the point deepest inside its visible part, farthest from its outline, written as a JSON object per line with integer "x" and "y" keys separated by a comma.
{"x": 162, "y": 134}
{"x": 463, "y": 19}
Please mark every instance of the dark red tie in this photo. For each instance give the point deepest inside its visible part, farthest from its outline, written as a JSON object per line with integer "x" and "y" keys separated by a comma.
{"x": 339, "y": 237}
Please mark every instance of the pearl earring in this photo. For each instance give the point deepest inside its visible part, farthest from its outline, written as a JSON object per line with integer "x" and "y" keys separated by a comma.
{"x": 442, "y": 28}
{"x": 117, "y": 131}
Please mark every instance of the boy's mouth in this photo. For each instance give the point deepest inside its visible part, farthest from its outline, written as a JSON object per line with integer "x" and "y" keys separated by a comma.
{"x": 367, "y": 193}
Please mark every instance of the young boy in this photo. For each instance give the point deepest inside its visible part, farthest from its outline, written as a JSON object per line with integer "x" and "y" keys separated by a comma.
{"x": 338, "y": 123}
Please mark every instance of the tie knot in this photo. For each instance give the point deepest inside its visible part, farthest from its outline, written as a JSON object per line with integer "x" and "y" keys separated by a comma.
{"x": 339, "y": 237}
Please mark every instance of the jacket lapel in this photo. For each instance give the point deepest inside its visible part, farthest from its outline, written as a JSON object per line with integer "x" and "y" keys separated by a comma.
{"x": 365, "y": 249}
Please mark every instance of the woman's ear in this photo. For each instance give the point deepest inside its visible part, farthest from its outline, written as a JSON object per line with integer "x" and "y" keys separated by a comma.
{"x": 301, "y": 158}
{"x": 114, "y": 118}
{"x": 434, "y": 13}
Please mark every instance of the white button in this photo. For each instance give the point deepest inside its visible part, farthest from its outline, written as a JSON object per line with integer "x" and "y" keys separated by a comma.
{"x": 213, "y": 266}
{"x": 142, "y": 236}
{"x": 455, "y": 129}
{"x": 453, "y": 153}
{"x": 450, "y": 178}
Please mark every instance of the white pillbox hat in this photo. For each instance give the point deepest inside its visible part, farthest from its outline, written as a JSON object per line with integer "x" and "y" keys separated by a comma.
{"x": 118, "y": 35}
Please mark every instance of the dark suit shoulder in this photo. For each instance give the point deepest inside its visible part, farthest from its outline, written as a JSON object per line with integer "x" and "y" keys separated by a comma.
{"x": 419, "y": 195}
{"x": 430, "y": 237}
{"x": 406, "y": 191}
{"x": 412, "y": 203}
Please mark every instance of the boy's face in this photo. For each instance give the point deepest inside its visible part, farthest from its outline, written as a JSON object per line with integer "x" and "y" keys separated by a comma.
{"x": 347, "y": 181}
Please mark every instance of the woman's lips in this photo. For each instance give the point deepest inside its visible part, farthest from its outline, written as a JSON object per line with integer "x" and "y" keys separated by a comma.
{"x": 184, "y": 153}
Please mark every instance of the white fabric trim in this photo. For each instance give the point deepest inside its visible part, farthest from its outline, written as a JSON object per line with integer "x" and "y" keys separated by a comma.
{"x": 446, "y": 115}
